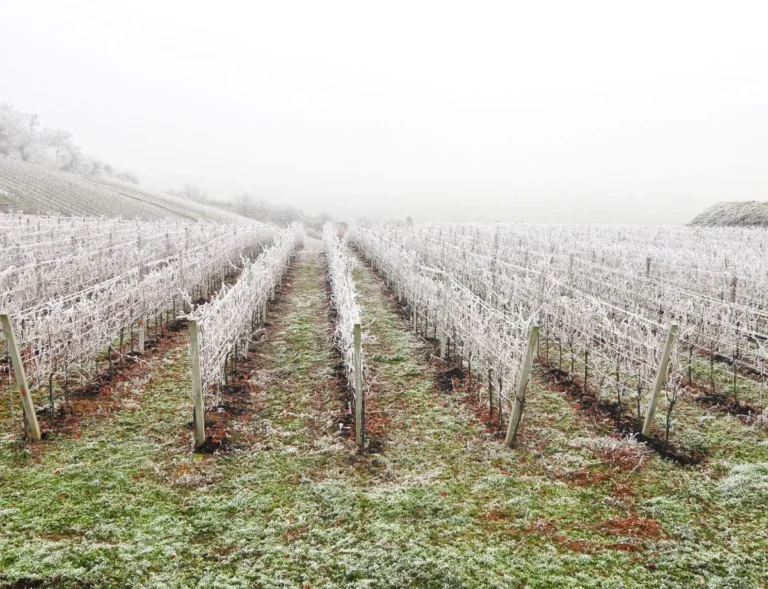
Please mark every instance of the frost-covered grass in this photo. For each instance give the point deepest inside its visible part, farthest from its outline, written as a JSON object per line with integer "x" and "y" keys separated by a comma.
{"x": 441, "y": 503}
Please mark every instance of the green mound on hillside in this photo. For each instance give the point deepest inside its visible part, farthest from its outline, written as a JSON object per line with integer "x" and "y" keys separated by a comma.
{"x": 746, "y": 214}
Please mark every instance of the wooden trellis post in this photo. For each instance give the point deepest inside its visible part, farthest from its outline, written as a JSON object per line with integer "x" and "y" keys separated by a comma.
{"x": 141, "y": 329}
{"x": 141, "y": 335}
{"x": 443, "y": 297}
{"x": 198, "y": 413}
{"x": 359, "y": 398}
{"x": 30, "y": 417}
{"x": 522, "y": 383}
{"x": 661, "y": 377}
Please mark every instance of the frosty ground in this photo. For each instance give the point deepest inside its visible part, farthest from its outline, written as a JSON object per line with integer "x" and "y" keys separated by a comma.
{"x": 121, "y": 500}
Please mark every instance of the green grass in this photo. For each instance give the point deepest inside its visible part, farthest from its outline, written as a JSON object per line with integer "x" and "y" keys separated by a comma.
{"x": 442, "y": 503}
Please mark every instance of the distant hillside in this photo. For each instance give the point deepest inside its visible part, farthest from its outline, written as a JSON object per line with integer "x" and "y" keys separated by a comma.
{"x": 31, "y": 188}
{"x": 745, "y": 213}
{"x": 264, "y": 211}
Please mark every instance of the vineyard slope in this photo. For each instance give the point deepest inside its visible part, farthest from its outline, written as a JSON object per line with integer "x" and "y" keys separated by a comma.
{"x": 34, "y": 189}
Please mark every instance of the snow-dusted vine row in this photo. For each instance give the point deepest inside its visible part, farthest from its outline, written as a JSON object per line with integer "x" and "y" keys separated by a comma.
{"x": 581, "y": 321}
{"x": 231, "y": 316}
{"x": 492, "y": 341}
{"x": 343, "y": 297}
{"x": 68, "y": 331}
{"x": 714, "y": 325}
{"x": 348, "y": 315}
{"x": 604, "y": 342}
{"x": 701, "y": 260}
{"x": 48, "y": 258}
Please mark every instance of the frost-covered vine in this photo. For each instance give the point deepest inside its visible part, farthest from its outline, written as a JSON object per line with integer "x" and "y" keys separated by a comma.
{"x": 231, "y": 316}
{"x": 485, "y": 304}
{"x": 74, "y": 321}
{"x": 49, "y": 258}
{"x": 490, "y": 339}
{"x": 639, "y": 278}
{"x": 343, "y": 298}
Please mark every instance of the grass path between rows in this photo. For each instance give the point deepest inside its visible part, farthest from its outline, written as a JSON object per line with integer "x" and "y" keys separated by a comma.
{"x": 438, "y": 502}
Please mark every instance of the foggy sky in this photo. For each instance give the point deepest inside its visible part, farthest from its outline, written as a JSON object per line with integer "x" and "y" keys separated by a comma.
{"x": 533, "y": 111}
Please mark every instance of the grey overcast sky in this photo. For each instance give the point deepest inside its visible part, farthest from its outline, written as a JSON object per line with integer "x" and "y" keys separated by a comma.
{"x": 535, "y": 111}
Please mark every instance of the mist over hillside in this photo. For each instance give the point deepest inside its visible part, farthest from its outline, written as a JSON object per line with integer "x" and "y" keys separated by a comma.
{"x": 24, "y": 137}
{"x": 43, "y": 171}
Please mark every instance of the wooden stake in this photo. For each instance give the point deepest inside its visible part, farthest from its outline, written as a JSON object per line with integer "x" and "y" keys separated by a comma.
{"x": 359, "y": 399}
{"x": 490, "y": 395}
{"x": 30, "y": 417}
{"x": 661, "y": 377}
{"x": 141, "y": 330}
{"x": 469, "y": 372}
{"x": 522, "y": 383}
{"x": 198, "y": 413}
